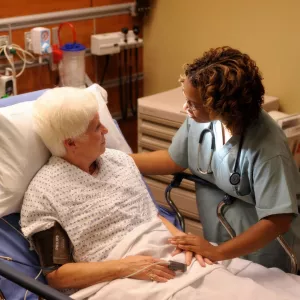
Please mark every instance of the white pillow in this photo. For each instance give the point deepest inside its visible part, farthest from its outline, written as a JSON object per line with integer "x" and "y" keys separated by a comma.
{"x": 22, "y": 152}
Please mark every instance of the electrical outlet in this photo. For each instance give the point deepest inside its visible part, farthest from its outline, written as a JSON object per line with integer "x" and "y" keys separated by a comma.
{"x": 4, "y": 40}
{"x": 27, "y": 41}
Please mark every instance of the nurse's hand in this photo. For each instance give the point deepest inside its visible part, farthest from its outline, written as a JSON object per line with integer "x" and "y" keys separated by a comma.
{"x": 195, "y": 244}
{"x": 189, "y": 254}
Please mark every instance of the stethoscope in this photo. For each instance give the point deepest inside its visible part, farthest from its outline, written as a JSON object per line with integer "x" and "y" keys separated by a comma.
{"x": 235, "y": 177}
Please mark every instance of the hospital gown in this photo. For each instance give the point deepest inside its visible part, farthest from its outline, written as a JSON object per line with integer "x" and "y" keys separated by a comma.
{"x": 96, "y": 212}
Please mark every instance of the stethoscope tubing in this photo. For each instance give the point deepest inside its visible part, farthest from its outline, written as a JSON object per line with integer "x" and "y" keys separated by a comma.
{"x": 235, "y": 176}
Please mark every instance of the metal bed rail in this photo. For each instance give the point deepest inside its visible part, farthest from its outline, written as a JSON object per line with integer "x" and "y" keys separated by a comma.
{"x": 30, "y": 284}
{"x": 178, "y": 177}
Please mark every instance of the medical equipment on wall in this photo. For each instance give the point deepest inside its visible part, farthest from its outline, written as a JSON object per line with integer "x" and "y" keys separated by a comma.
{"x": 235, "y": 177}
{"x": 70, "y": 58}
{"x": 8, "y": 84}
{"x": 124, "y": 43}
{"x": 40, "y": 40}
{"x": 142, "y": 7}
{"x": 123, "y": 100}
{"x": 226, "y": 201}
{"x": 130, "y": 39}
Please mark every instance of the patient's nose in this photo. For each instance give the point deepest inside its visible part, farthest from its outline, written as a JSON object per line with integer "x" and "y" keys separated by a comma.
{"x": 104, "y": 130}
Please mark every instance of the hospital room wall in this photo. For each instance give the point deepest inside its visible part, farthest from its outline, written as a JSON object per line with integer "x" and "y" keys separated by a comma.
{"x": 41, "y": 78}
{"x": 268, "y": 30}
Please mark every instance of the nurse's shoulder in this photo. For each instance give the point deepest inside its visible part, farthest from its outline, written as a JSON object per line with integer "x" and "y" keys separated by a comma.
{"x": 265, "y": 139}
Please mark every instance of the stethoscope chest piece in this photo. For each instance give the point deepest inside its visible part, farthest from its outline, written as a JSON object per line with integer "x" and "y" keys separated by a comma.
{"x": 235, "y": 178}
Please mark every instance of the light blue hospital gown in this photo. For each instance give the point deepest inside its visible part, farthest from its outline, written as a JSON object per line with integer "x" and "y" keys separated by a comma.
{"x": 270, "y": 182}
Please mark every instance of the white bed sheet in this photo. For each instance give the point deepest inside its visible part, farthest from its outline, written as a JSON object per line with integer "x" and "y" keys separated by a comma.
{"x": 237, "y": 279}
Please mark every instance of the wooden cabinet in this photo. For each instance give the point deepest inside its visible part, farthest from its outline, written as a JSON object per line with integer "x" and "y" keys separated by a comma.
{"x": 159, "y": 118}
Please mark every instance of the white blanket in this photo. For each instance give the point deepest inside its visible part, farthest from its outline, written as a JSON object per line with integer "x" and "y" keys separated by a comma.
{"x": 236, "y": 279}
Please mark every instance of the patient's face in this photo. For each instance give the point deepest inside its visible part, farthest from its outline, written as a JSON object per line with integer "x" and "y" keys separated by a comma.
{"x": 92, "y": 144}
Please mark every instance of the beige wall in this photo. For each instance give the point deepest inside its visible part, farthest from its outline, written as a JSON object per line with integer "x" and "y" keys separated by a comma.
{"x": 268, "y": 30}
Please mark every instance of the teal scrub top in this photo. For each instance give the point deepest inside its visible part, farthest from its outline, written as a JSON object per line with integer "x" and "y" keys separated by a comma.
{"x": 270, "y": 182}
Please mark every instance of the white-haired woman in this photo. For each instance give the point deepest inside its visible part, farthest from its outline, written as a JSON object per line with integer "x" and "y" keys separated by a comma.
{"x": 97, "y": 195}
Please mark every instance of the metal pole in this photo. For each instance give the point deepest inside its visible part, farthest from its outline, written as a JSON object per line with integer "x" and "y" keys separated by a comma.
{"x": 280, "y": 239}
{"x": 290, "y": 253}
{"x": 30, "y": 284}
{"x": 179, "y": 216}
{"x": 223, "y": 221}
{"x": 61, "y": 16}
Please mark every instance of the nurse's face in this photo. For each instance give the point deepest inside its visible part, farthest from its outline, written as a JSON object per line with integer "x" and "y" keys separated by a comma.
{"x": 194, "y": 105}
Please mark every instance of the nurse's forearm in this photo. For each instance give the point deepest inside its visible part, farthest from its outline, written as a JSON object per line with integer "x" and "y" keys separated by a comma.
{"x": 256, "y": 237}
{"x": 156, "y": 163}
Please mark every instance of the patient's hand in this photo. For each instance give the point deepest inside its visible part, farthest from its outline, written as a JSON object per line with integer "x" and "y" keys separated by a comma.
{"x": 189, "y": 254}
{"x": 153, "y": 271}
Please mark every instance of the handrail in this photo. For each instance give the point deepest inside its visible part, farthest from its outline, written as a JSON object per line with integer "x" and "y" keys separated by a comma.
{"x": 8, "y": 24}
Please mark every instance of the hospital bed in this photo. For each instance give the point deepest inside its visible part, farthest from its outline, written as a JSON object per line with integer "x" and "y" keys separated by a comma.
{"x": 15, "y": 279}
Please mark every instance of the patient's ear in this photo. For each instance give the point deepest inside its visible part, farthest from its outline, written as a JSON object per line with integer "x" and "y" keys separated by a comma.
{"x": 69, "y": 144}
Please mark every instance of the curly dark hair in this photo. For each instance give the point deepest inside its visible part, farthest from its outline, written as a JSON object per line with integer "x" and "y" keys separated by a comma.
{"x": 230, "y": 86}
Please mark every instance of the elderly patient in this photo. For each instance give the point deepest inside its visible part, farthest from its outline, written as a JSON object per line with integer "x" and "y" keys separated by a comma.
{"x": 96, "y": 194}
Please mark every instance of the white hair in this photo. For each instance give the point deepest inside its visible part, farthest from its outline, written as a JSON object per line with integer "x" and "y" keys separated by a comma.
{"x": 63, "y": 113}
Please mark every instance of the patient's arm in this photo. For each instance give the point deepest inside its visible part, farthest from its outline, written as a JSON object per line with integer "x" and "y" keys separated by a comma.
{"x": 156, "y": 163}
{"x": 81, "y": 275}
{"x": 173, "y": 230}
{"x": 53, "y": 247}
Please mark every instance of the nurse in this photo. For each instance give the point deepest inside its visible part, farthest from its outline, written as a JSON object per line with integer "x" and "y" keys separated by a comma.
{"x": 230, "y": 141}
